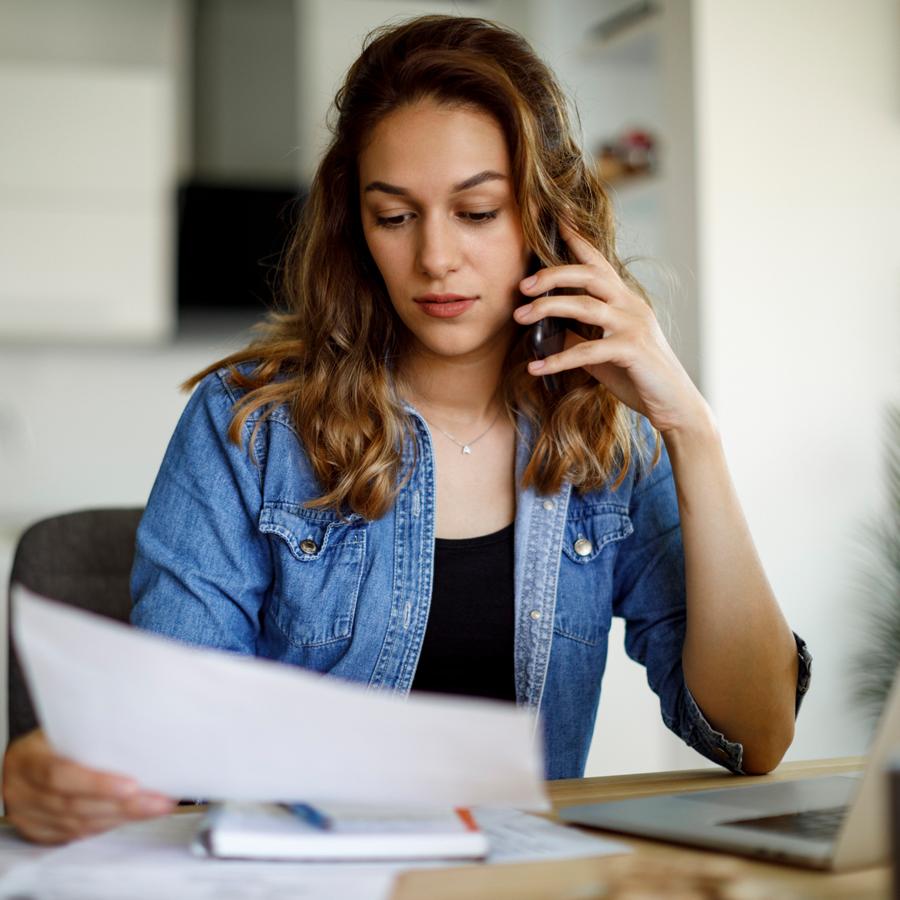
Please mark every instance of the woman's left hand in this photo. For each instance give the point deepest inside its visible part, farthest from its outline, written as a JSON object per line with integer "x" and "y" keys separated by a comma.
{"x": 633, "y": 359}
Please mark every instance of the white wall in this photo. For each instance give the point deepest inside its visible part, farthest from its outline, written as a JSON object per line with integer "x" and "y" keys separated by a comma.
{"x": 798, "y": 137}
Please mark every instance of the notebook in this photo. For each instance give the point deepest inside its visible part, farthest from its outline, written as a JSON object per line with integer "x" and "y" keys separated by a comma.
{"x": 270, "y": 831}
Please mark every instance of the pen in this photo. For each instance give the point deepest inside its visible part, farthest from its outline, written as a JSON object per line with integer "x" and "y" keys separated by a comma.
{"x": 309, "y": 814}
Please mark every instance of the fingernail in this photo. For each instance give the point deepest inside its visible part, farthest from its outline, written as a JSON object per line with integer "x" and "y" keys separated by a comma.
{"x": 154, "y": 804}
{"x": 536, "y": 366}
{"x": 524, "y": 310}
{"x": 530, "y": 281}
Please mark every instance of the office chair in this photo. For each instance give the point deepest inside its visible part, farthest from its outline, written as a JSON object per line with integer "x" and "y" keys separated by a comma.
{"x": 82, "y": 558}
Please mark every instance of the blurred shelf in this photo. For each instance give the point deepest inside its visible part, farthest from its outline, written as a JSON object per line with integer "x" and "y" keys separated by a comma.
{"x": 641, "y": 179}
{"x": 629, "y": 36}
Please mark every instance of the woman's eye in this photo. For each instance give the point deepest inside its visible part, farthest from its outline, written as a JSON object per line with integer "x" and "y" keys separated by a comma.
{"x": 477, "y": 217}
{"x": 392, "y": 221}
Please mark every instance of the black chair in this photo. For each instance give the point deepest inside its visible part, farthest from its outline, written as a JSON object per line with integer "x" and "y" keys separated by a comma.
{"x": 81, "y": 558}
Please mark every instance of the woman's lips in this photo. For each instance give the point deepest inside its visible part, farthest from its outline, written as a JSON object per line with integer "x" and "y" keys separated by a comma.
{"x": 444, "y": 306}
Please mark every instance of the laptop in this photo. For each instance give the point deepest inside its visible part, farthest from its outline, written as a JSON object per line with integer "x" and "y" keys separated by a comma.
{"x": 836, "y": 822}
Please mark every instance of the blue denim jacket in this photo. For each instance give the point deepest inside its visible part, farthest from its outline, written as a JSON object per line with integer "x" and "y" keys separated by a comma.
{"x": 228, "y": 557}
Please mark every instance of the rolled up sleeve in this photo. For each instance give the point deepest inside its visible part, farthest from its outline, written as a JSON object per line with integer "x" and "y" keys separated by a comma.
{"x": 713, "y": 744}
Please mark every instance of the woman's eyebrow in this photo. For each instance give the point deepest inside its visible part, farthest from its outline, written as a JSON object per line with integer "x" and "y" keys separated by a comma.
{"x": 472, "y": 181}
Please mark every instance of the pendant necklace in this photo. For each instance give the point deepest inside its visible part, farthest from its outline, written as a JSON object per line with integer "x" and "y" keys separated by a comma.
{"x": 466, "y": 448}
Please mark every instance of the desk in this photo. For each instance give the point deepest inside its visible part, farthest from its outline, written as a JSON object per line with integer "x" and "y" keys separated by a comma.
{"x": 583, "y": 879}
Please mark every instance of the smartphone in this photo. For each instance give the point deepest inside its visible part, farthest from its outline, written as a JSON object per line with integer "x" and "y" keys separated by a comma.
{"x": 548, "y": 336}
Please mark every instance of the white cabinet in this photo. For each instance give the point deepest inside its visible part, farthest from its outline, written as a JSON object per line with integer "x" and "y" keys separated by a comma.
{"x": 88, "y": 161}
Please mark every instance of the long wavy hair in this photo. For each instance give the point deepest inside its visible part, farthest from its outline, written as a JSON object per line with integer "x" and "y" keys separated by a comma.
{"x": 330, "y": 355}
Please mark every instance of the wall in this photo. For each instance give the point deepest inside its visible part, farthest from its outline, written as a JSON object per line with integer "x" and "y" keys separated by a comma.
{"x": 798, "y": 139}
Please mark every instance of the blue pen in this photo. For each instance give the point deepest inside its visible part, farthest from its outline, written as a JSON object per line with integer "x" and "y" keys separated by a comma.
{"x": 309, "y": 814}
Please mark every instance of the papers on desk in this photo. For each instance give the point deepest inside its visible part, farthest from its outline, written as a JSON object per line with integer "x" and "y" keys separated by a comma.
{"x": 151, "y": 860}
{"x": 194, "y": 722}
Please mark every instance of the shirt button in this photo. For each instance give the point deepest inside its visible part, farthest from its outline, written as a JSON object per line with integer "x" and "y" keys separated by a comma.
{"x": 535, "y": 614}
{"x": 309, "y": 546}
{"x": 583, "y": 546}
{"x": 549, "y": 504}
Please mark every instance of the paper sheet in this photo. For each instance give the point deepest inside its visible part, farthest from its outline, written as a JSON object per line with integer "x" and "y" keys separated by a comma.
{"x": 517, "y": 837}
{"x": 14, "y": 850}
{"x": 199, "y": 723}
{"x": 152, "y": 860}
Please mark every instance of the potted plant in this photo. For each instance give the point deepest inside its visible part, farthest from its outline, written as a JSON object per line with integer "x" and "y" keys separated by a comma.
{"x": 879, "y": 582}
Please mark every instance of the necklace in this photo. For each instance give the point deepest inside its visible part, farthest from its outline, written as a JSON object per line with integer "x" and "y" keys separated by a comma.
{"x": 466, "y": 448}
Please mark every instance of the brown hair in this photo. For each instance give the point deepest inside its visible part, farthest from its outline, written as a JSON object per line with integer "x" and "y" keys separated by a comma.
{"x": 328, "y": 357}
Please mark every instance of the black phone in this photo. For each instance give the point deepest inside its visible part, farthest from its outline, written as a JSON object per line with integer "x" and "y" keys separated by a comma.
{"x": 548, "y": 336}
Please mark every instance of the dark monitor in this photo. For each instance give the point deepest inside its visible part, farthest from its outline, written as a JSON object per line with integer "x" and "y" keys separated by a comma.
{"x": 231, "y": 239}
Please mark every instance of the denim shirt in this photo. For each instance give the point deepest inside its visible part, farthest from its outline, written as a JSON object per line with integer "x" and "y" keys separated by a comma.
{"x": 228, "y": 557}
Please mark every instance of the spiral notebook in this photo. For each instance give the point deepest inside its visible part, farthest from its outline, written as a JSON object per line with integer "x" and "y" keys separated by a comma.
{"x": 270, "y": 831}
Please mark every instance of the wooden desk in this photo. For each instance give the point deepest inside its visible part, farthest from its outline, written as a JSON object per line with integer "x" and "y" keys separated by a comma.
{"x": 660, "y": 870}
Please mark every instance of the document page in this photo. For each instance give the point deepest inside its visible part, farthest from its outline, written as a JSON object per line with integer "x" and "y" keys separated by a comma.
{"x": 195, "y": 723}
{"x": 151, "y": 860}
{"x": 519, "y": 837}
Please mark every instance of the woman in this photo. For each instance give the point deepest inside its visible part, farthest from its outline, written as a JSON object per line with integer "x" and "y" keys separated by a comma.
{"x": 386, "y": 487}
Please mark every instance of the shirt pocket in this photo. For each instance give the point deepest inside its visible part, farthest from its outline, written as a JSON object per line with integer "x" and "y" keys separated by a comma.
{"x": 318, "y": 564}
{"x": 590, "y": 545}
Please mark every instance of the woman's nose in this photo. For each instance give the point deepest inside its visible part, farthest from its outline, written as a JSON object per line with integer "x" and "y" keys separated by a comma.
{"x": 438, "y": 248}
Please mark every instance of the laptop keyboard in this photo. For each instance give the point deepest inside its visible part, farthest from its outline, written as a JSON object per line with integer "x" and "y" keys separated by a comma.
{"x": 814, "y": 823}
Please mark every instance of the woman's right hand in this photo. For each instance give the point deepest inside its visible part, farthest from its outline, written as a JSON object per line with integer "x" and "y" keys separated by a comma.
{"x": 50, "y": 799}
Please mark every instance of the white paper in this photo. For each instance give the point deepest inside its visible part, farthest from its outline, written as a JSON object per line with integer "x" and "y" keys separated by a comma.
{"x": 14, "y": 850}
{"x": 150, "y": 860}
{"x": 199, "y": 723}
{"x": 233, "y": 882}
{"x": 518, "y": 837}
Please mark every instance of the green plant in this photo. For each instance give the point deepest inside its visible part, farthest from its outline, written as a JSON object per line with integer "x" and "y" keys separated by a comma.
{"x": 879, "y": 581}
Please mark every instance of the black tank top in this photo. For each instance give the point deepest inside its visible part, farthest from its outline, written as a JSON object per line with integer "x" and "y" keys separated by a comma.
{"x": 468, "y": 644}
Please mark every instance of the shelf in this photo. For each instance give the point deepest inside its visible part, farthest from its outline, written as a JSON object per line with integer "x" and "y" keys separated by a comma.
{"x": 629, "y": 36}
{"x": 628, "y": 181}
